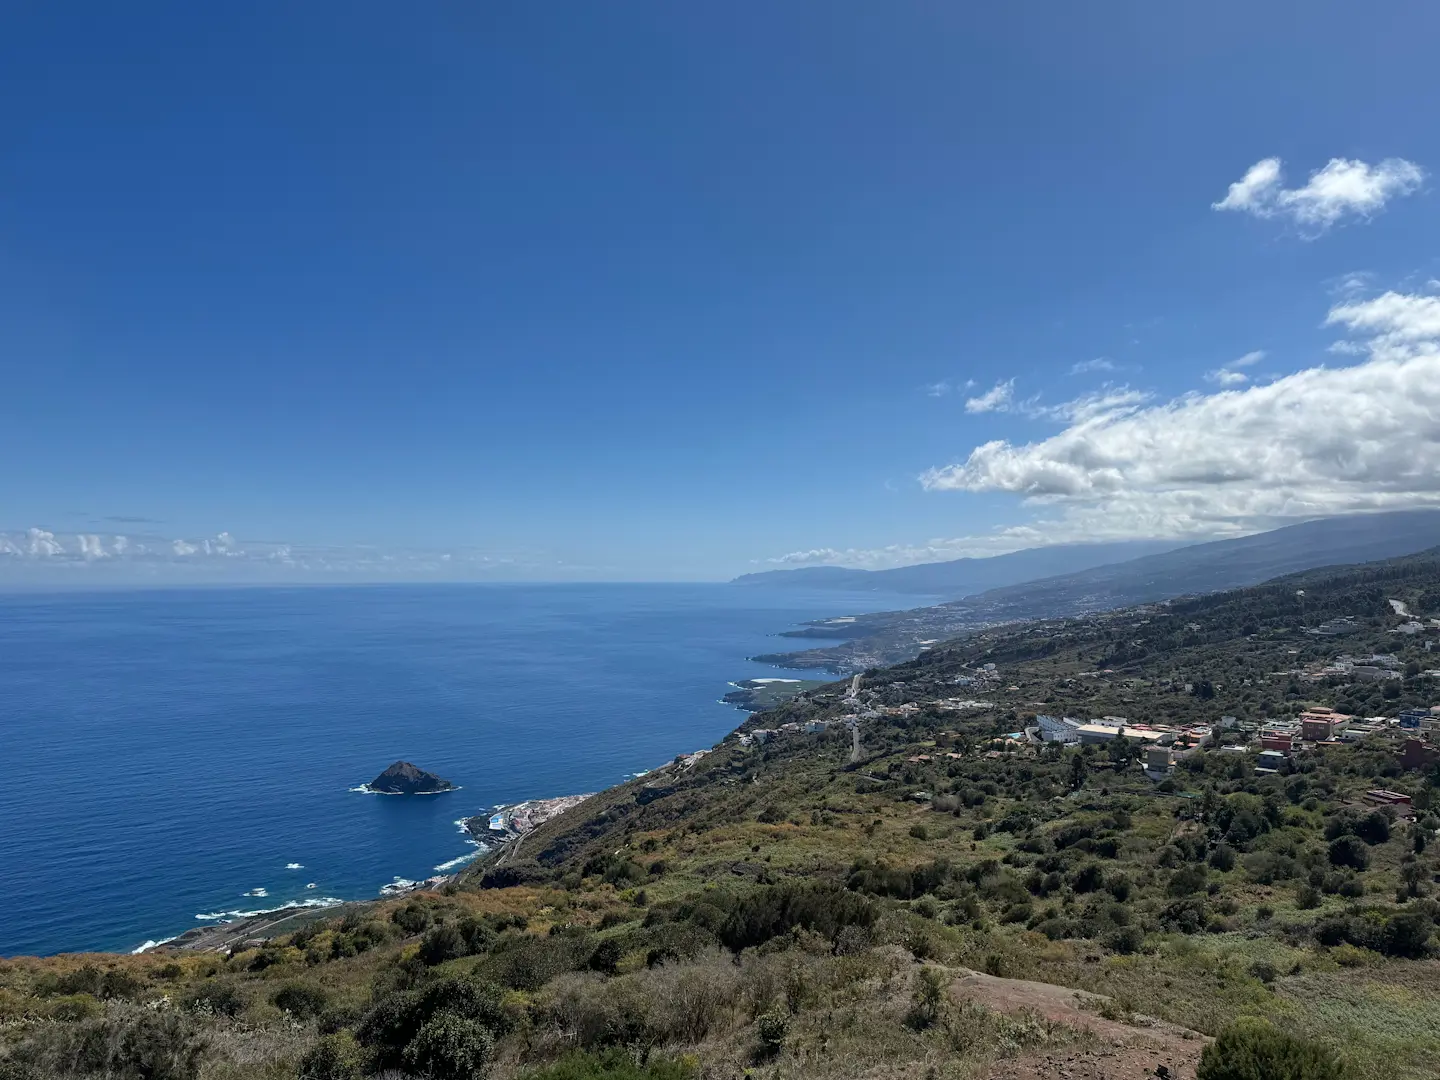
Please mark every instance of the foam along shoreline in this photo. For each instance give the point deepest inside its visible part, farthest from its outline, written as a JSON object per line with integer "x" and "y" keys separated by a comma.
{"x": 366, "y": 789}
{"x": 152, "y": 944}
{"x": 232, "y": 916}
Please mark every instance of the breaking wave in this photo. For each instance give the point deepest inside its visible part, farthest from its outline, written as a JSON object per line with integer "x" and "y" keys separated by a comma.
{"x": 228, "y": 916}
{"x": 152, "y": 944}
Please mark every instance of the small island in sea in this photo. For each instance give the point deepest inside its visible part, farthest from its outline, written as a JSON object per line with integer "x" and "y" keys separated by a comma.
{"x": 403, "y": 778}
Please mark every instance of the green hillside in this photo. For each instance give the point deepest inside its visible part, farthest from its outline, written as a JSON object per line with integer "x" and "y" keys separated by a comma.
{"x": 810, "y": 904}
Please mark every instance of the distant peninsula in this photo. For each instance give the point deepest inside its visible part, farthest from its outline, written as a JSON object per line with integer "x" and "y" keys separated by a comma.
{"x": 402, "y": 778}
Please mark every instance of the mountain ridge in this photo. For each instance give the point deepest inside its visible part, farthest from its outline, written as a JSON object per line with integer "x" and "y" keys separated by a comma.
{"x": 882, "y": 638}
{"x": 963, "y": 577}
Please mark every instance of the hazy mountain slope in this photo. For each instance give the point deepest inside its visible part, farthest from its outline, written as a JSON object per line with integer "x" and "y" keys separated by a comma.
{"x": 963, "y": 577}
{"x": 892, "y": 636}
{"x": 1228, "y": 564}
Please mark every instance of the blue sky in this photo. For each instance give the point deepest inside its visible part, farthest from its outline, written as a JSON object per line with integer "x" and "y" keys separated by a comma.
{"x": 656, "y": 290}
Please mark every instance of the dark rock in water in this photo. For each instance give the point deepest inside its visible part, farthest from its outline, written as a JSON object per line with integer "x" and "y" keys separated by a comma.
{"x": 402, "y": 778}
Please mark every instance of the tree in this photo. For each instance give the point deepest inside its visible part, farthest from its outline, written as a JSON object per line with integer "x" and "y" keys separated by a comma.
{"x": 1120, "y": 749}
{"x": 1349, "y": 851}
{"x": 1254, "y": 1050}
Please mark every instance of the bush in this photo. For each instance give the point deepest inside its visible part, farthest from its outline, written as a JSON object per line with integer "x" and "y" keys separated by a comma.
{"x": 218, "y": 998}
{"x": 413, "y": 918}
{"x": 928, "y": 998}
{"x": 1126, "y": 940}
{"x": 1254, "y": 1050}
{"x": 1264, "y": 970}
{"x": 1372, "y": 827}
{"x": 772, "y": 1027}
{"x": 450, "y": 1047}
{"x": 442, "y": 943}
{"x": 758, "y": 916}
{"x": 333, "y": 1057}
{"x": 607, "y": 956}
{"x": 300, "y": 1000}
{"x": 139, "y": 1044}
{"x": 395, "y": 1021}
{"x": 479, "y": 935}
{"x": 611, "y": 1065}
{"x": 1406, "y": 933}
{"x": 1349, "y": 851}
{"x": 1189, "y": 879}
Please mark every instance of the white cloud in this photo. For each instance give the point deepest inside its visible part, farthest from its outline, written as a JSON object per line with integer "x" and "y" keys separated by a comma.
{"x": 1321, "y": 441}
{"x": 43, "y": 544}
{"x": 1343, "y": 188}
{"x": 35, "y": 554}
{"x": 1107, "y": 400}
{"x": 997, "y": 399}
{"x": 809, "y": 557}
{"x": 1084, "y": 367}
{"x": 1229, "y": 376}
{"x": 946, "y": 387}
{"x": 1226, "y": 377}
{"x": 936, "y": 550}
{"x": 1397, "y": 324}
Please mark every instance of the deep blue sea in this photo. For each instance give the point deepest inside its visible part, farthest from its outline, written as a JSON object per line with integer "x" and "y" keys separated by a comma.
{"x": 168, "y": 755}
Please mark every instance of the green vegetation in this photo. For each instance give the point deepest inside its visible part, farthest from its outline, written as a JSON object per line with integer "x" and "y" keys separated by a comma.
{"x": 1257, "y": 1051}
{"x": 784, "y": 909}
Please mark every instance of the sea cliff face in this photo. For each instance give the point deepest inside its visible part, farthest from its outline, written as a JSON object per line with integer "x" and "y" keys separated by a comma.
{"x": 403, "y": 778}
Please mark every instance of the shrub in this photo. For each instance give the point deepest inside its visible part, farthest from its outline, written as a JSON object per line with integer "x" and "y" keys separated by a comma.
{"x": 1126, "y": 940}
{"x": 1264, "y": 970}
{"x": 772, "y": 1027}
{"x": 758, "y": 916}
{"x": 300, "y": 1000}
{"x": 1349, "y": 851}
{"x": 607, "y": 956}
{"x": 1253, "y": 1049}
{"x": 413, "y": 918}
{"x": 1089, "y": 878}
{"x": 218, "y": 998}
{"x": 450, "y": 1047}
{"x": 395, "y": 1021}
{"x": 611, "y": 1065}
{"x": 74, "y": 1007}
{"x": 1186, "y": 916}
{"x": 1223, "y": 858}
{"x": 442, "y": 943}
{"x": 478, "y": 934}
{"x": 333, "y": 1057}
{"x": 140, "y": 1044}
{"x": 1189, "y": 879}
{"x": 1372, "y": 827}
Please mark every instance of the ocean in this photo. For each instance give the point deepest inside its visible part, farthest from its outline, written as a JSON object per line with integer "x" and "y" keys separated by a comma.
{"x": 171, "y": 758}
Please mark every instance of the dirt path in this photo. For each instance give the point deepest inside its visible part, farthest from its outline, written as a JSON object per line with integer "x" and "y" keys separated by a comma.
{"x": 1129, "y": 1049}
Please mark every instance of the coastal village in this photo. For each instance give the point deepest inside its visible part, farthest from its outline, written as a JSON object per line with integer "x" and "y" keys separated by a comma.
{"x": 1151, "y": 746}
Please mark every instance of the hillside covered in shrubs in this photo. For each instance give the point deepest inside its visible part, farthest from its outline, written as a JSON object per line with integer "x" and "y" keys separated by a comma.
{"x": 790, "y": 905}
